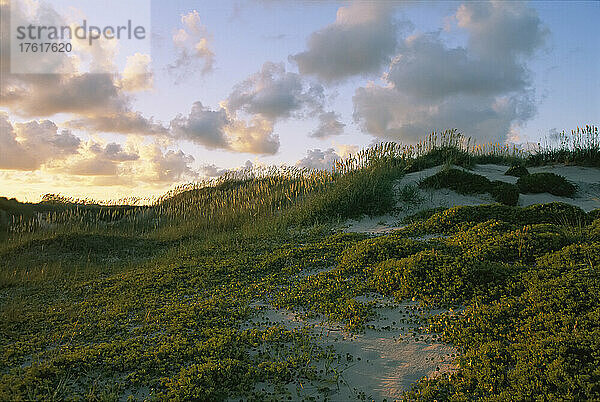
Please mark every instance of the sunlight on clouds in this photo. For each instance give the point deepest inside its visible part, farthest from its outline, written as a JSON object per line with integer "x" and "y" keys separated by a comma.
{"x": 137, "y": 75}
{"x": 193, "y": 46}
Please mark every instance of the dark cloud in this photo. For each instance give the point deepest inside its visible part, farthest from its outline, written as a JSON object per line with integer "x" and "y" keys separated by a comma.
{"x": 361, "y": 40}
{"x": 114, "y": 152}
{"x": 329, "y": 125}
{"x": 98, "y": 101}
{"x": 202, "y": 126}
{"x": 274, "y": 93}
{"x": 484, "y": 89}
{"x": 124, "y": 123}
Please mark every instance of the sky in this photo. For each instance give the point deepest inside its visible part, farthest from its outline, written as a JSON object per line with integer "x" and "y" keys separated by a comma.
{"x": 231, "y": 84}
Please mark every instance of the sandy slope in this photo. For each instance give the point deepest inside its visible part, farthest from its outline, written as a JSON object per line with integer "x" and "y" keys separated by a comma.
{"x": 386, "y": 359}
{"x": 378, "y": 364}
{"x": 587, "y": 197}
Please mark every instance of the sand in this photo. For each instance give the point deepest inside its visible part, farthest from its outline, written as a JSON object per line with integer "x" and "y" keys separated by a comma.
{"x": 586, "y": 179}
{"x": 391, "y": 355}
{"x": 378, "y": 364}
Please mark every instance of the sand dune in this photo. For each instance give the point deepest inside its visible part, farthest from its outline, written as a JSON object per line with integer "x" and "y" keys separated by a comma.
{"x": 586, "y": 179}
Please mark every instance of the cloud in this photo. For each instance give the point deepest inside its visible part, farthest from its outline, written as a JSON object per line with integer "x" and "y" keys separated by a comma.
{"x": 485, "y": 94}
{"x": 426, "y": 68}
{"x": 216, "y": 129}
{"x": 203, "y": 126}
{"x": 212, "y": 171}
{"x": 98, "y": 101}
{"x": 329, "y": 125}
{"x": 114, "y": 152}
{"x": 325, "y": 159}
{"x": 256, "y": 137}
{"x": 26, "y": 146}
{"x": 501, "y": 30}
{"x": 318, "y": 159}
{"x": 244, "y": 122}
{"x": 360, "y": 41}
{"x": 172, "y": 166}
{"x": 192, "y": 43}
{"x": 137, "y": 75}
{"x": 126, "y": 122}
{"x": 132, "y": 165}
{"x": 274, "y": 93}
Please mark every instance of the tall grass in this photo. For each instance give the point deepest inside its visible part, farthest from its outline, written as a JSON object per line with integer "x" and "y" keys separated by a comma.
{"x": 358, "y": 184}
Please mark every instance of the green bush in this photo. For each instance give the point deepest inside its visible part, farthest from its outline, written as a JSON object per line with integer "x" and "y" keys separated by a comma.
{"x": 575, "y": 255}
{"x": 524, "y": 244}
{"x": 469, "y": 183}
{"x": 517, "y": 171}
{"x": 594, "y": 214}
{"x": 504, "y": 193}
{"x": 559, "y": 213}
{"x": 451, "y": 220}
{"x": 545, "y": 183}
{"x": 371, "y": 251}
{"x": 458, "y": 180}
{"x": 594, "y": 230}
{"x": 418, "y": 275}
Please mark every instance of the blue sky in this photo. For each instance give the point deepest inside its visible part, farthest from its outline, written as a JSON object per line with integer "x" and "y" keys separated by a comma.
{"x": 254, "y": 80}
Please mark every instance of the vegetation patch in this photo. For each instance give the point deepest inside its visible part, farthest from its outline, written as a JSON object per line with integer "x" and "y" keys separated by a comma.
{"x": 517, "y": 171}
{"x": 469, "y": 183}
{"x": 504, "y": 193}
{"x": 172, "y": 320}
{"x": 546, "y": 183}
{"x": 458, "y": 180}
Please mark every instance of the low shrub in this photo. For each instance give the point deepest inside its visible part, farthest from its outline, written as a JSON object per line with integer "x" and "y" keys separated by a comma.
{"x": 594, "y": 214}
{"x": 368, "y": 191}
{"x": 469, "y": 183}
{"x": 558, "y": 213}
{"x": 575, "y": 255}
{"x": 504, "y": 193}
{"x": 450, "y": 220}
{"x": 545, "y": 183}
{"x": 594, "y": 230}
{"x": 517, "y": 171}
{"x": 458, "y": 180}
{"x": 440, "y": 156}
{"x": 371, "y": 251}
{"x": 523, "y": 245}
{"x": 419, "y": 274}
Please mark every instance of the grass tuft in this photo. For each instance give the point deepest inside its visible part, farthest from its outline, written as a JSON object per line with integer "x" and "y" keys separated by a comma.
{"x": 546, "y": 183}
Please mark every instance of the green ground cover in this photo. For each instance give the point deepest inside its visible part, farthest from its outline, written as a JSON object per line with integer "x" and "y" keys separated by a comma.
{"x": 106, "y": 303}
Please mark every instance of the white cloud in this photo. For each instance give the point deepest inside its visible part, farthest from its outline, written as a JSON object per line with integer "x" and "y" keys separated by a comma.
{"x": 274, "y": 93}
{"x": 26, "y": 146}
{"x": 137, "y": 75}
{"x": 202, "y": 126}
{"x": 245, "y": 121}
{"x": 483, "y": 90}
{"x": 318, "y": 159}
{"x": 192, "y": 43}
{"x": 96, "y": 100}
